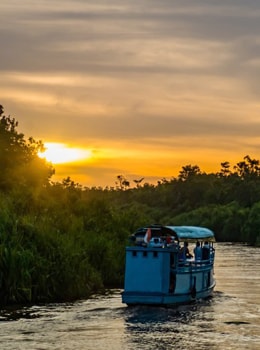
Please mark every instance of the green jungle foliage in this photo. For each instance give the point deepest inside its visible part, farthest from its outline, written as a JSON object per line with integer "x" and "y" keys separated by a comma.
{"x": 62, "y": 241}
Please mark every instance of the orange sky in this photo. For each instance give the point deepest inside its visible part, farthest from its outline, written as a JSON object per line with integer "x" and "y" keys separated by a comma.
{"x": 144, "y": 87}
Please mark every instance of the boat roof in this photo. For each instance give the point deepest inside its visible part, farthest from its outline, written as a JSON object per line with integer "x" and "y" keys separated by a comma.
{"x": 192, "y": 233}
{"x": 180, "y": 233}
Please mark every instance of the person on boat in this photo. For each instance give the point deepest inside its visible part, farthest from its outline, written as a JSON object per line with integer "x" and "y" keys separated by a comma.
{"x": 168, "y": 239}
{"x": 205, "y": 251}
{"x": 198, "y": 251}
{"x": 184, "y": 252}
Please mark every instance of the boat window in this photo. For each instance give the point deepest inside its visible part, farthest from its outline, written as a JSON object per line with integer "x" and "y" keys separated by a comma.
{"x": 134, "y": 253}
{"x": 155, "y": 254}
{"x": 145, "y": 254}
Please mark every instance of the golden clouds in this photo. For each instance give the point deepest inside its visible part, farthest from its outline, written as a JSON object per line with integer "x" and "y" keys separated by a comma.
{"x": 148, "y": 87}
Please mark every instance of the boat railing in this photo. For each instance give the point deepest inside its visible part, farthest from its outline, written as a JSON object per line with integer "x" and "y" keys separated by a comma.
{"x": 197, "y": 263}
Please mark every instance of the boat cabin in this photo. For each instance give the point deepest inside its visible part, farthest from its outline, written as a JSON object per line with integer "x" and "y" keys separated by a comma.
{"x": 161, "y": 268}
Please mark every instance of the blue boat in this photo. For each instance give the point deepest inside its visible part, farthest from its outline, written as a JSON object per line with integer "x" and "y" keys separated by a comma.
{"x": 169, "y": 265}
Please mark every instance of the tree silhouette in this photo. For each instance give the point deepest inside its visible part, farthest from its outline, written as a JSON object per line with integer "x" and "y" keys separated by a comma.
{"x": 189, "y": 171}
{"x": 19, "y": 161}
{"x": 138, "y": 182}
{"x": 123, "y": 182}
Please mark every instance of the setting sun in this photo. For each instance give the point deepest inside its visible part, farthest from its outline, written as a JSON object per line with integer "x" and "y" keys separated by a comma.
{"x": 58, "y": 153}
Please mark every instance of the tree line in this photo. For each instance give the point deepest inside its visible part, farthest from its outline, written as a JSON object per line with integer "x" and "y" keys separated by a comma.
{"x": 60, "y": 241}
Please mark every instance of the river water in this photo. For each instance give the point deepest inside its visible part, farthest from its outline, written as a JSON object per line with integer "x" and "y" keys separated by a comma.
{"x": 228, "y": 320}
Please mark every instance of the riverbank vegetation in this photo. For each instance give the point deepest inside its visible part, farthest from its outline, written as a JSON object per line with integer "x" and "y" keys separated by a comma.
{"x": 62, "y": 241}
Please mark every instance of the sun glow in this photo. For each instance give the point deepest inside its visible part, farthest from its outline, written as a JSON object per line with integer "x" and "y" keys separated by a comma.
{"x": 59, "y": 153}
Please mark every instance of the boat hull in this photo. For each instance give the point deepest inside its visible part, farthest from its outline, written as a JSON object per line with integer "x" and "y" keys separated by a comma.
{"x": 169, "y": 299}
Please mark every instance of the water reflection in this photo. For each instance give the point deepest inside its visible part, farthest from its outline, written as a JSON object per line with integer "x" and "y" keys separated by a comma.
{"x": 182, "y": 327}
{"x": 14, "y": 315}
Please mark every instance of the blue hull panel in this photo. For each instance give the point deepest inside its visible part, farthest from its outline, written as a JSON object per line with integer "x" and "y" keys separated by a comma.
{"x": 135, "y": 298}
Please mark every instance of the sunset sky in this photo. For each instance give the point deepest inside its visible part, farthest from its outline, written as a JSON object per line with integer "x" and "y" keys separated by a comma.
{"x": 137, "y": 88}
